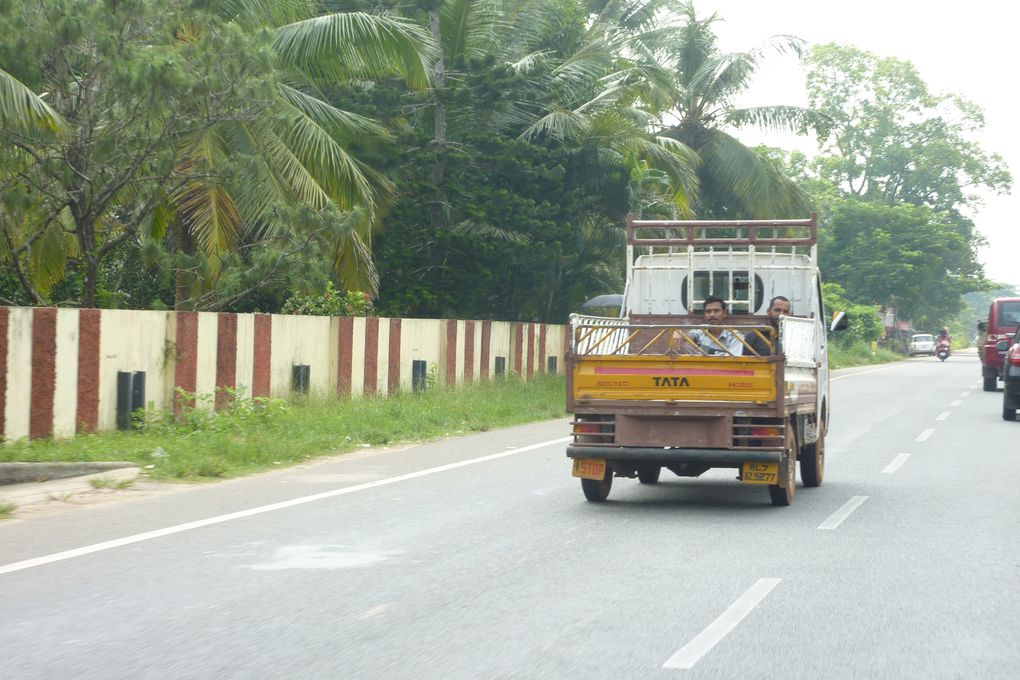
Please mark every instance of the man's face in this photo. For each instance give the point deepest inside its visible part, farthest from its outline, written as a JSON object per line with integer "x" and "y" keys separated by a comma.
{"x": 778, "y": 308}
{"x": 714, "y": 313}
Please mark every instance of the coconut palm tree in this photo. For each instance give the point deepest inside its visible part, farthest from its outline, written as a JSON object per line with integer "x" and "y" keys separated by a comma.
{"x": 591, "y": 101}
{"x": 232, "y": 176}
{"x": 298, "y": 150}
{"x": 682, "y": 75}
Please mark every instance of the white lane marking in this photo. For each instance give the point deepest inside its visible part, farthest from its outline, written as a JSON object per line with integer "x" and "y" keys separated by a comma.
{"x": 923, "y": 437}
{"x": 198, "y": 524}
{"x": 896, "y": 463}
{"x": 374, "y": 611}
{"x": 704, "y": 641}
{"x": 955, "y": 403}
{"x": 943, "y": 415}
{"x": 836, "y": 518}
{"x": 965, "y": 394}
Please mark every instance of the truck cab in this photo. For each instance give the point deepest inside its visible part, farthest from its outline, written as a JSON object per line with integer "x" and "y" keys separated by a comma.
{"x": 645, "y": 398}
{"x": 1003, "y": 321}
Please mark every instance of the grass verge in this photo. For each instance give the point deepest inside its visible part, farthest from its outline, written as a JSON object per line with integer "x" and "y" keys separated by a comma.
{"x": 249, "y": 438}
{"x": 859, "y": 354}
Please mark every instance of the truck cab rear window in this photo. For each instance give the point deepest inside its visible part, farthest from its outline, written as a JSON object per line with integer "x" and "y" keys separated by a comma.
{"x": 734, "y": 287}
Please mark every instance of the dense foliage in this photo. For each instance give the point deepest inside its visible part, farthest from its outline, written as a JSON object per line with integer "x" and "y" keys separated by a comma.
{"x": 457, "y": 158}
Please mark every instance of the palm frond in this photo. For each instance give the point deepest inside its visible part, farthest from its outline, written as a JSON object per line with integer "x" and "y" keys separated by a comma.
{"x": 259, "y": 13}
{"x": 21, "y": 108}
{"x": 469, "y": 28}
{"x": 347, "y": 181}
{"x": 207, "y": 210}
{"x": 350, "y": 243}
{"x": 49, "y": 254}
{"x": 488, "y": 231}
{"x": 760, "y": 190}
{"x": 778, "y": 118}
{"x": 560, "y": 125}
{"x": 286, "y": 167}
{"x": 530, "y": 61}
{"x": 353, "y": 45}
{"x": 343, "y": 126}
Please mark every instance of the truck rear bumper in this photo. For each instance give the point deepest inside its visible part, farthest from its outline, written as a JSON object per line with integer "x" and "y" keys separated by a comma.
{"x": 714, "y": 457}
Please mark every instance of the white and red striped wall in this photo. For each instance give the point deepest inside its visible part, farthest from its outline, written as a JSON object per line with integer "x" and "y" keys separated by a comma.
{"x": 58, "y": 367}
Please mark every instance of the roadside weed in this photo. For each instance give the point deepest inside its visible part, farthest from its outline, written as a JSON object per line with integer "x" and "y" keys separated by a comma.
{"x": 105, "y": 483}
{"x": 248, "y": 435}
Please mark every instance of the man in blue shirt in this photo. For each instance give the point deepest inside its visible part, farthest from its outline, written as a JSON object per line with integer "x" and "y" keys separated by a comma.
{"x": 714, "y": 341}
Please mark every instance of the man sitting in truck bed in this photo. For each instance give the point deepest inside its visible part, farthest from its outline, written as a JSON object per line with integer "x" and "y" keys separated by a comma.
{"x": 715, "y": 341}
{"x": 778, "y": 306}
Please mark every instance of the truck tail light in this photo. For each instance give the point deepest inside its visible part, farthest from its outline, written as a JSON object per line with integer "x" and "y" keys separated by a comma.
{"x": 586, "y": 427}
{"x": 1015, "y": 356}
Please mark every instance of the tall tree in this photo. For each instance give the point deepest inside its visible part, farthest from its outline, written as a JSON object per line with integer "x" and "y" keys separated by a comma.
{"x": 299, "y": 152}
{"x": 898, "y": 173}
{"x": 188, "y": 114}
{"x": 120, "y": 81}
{"x": 688, "y": 80}
{"x": 905, "y": 256}
{"x": 885, "y": 136}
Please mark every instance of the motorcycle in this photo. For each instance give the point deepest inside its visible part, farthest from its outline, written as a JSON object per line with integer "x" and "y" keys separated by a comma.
{"x": 942, "y": 350}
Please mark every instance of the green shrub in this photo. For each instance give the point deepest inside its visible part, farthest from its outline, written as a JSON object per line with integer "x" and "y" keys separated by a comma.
{"x": 331, "y": 302}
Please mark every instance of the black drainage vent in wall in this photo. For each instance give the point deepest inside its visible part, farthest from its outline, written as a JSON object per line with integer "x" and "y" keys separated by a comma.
{"x": 551, "y": 365}
{"x": 301, "y": 376}
{"x": 130, "y": 397}
{"x": 419, "y": 373}
{"x": 500, "y": 367}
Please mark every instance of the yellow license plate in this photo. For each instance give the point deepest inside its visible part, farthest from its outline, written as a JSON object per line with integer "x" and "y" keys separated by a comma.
{"x": 590, "y": 468}
{"x": 760, "y": 473}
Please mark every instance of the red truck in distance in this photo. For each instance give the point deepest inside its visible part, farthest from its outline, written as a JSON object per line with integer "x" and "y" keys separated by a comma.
{"x": 1003, "y": 320}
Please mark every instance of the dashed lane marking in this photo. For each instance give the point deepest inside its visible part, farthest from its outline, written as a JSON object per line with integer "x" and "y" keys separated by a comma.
{"x": 836, "y": 518}
{"x": 923, "y": 437}
{"x": 704, "y": 641}
{"x": 896, "y": 463}
{"x": 943, "y": 415}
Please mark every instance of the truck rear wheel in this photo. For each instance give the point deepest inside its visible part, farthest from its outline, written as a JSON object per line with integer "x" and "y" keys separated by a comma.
{"x": 649, "y": 474}
{"x": 812, "y": 462}
{"x": 597, "y": 490}
{"x": 783, "y": 494}
{"x": 989, "y": 384}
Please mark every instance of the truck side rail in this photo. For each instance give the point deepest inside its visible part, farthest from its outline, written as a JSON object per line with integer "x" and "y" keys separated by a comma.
{"x": 722, "y": 232}
{"x": 618, "y": 337}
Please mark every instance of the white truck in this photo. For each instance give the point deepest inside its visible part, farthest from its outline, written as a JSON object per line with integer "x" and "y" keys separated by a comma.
{"x": 644, "y": 397}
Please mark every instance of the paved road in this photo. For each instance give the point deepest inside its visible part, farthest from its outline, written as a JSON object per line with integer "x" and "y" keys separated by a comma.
{"x": 472, "y": 559}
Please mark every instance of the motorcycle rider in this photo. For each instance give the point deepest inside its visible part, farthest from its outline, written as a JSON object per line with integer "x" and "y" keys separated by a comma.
{"x": 944, "y": 339}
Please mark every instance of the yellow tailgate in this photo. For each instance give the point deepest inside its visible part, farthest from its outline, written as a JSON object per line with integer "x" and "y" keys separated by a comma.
{"x": 684, "y": 378}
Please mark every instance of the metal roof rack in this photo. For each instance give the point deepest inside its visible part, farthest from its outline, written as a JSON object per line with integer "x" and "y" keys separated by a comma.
{"x": 707, "y": 232}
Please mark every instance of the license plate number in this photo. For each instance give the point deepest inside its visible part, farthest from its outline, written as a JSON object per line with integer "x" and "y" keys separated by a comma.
{"x": 590, "y": 468}
{"x": 760, "y": 473}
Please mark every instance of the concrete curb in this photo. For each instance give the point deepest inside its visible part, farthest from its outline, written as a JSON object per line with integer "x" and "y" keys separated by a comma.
{"x": 40, "y": 492}
{"x": 23, "y": 473}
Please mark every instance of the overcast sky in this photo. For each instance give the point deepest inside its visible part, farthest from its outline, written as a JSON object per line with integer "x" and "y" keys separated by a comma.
{"x": 968, "y": 48}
